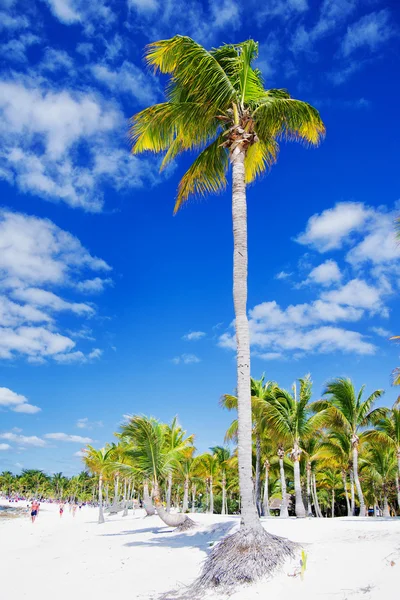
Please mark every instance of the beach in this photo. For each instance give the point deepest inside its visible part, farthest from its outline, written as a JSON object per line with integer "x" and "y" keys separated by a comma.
{"x": 137, "y": 557}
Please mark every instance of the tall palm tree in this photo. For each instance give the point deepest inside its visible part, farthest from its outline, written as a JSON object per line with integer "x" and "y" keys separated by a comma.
{"x": 217, "y": 104}
{"x": 292, "y": 421}
{"x": 387, "y": 432}
{"x": 153, "y": 459}
{"x": 349, "y": 412}
{"x": 100, "y": 462}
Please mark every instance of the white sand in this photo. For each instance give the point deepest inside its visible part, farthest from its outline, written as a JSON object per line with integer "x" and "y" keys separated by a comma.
{"x": 136, "y": 557}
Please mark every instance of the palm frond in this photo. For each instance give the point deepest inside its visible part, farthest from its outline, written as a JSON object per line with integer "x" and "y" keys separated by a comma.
{"x": 207, "y": 174}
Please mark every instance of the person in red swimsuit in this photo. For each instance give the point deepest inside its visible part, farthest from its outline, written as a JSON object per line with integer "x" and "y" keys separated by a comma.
{"x": 61, "y": 510}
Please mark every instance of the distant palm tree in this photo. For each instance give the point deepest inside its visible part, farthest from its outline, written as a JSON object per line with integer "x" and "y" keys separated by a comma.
{"x": 176, "y": 441}
{"x": 380, "y": 463}
{"x": 217, "y": 104}
{"x": 337, "y": 447}
{"x": 101, "y": 463}
{"x": 153, "y": 458}
{"x": 387, "y": 433}
{"x": 291, "y": 420}
{"x": 224, "y": 459}
{"x": 349, "y": 413}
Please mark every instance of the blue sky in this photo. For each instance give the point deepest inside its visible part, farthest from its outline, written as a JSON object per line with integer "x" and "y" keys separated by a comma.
{"x": 110, "y": 305}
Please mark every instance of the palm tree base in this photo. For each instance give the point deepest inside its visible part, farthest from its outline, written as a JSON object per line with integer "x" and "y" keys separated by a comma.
{"x": 244, "y": 557}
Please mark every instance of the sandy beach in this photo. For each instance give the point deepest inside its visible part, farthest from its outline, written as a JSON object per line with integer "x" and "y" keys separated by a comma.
{"x": 139, "y": 557}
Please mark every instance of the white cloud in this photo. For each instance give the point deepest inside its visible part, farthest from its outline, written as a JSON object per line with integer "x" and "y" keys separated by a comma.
{"x": 65, "y": 437}
{"x": 45, "y": 133}
{"x": 80, "y": 454}
{"x": 93, "y": 285}
{"x": 326, "y": 273}
{"x": 370, "y": 31}
{"x": 186, "y": 359}
{"x": 13, "y": 22}
{"x": 356, "y": 293}
{"x": 283, "y": 275}
{"x": 380, "y": 244}
{"x": 130, "y": 79}
{"x": 44, "y": 299}
{"x": 16, "y": 49}
{"x": 77, "y": 357}
{"x": 381, "y": 332}
{"x": 146, "y": 6}
{"x": 56, "y": 60}
{"x": 36, "y": 255}
{"x": 193, "y": 336}
{"x": 64, "y": 10}
{"x": 86, "y": 424}
{"x": 270, "y": 355}
{"x": 23, "y": 440}
{"x": 333, "y": 226}
{"x": 284, "y": 9}
{"x": 16, "y": 402}
{"x": 5, "y": 446}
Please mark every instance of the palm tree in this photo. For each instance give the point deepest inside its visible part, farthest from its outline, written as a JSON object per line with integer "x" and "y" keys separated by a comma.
{"x": 208, "y": 468}
{"x": 337, "y": 447}
{"x": 292, "y": 421}
{"x": 347, "y": 411}
{"x": 260, "y": 390}
{"x": 224, "y": 459}
{"x": 380, "y": 462}
{"x": 176, "y": 442}
{"x": 101, "y": 463}
{"x": 153, "y": 459}
{"x": 216, "y": 103}
{"x": 387, "y": 432}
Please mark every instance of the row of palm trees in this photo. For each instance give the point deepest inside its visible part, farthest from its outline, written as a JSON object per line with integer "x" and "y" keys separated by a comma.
{"x": 338, "y": 455}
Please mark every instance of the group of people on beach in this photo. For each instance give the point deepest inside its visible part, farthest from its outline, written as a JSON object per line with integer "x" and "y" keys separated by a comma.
{"x": 35, "y": 507}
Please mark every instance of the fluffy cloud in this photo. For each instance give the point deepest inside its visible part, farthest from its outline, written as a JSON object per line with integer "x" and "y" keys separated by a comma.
{"x": 193, "y": 336}
{"x": 64, "y": 10}
{"x": 65, "y": 437}
{"x": 356, "y": 293}
{"x": 381, "y": 332}
{"x": 43, "y": 133}
{"x": 186, "y": 359}
{"x": 5, "y": 446}
{"x": 370, "y": 31}
{"x": 326, "y": 273}
{"x": 334, "y": 225}
{"x": 23, "y": 440}
{"x": 129, "y": 79}
{"x": 36, "y": 255}
{"x": 16, "y": 402}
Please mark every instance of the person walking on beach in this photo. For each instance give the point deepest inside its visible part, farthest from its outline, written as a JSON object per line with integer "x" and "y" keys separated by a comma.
{"x": 34, "y": 511}
{"x": 61, "y": 510}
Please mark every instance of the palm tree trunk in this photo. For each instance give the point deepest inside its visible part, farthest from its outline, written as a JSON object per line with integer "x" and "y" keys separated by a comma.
{"x": 169, "y": 489}
{"x": 300, "y": 510}
{"x": 397, "y": 478}
{"x": 353, "y": 502}
{"x": 223, "y": 506}
{"x": 346, "y": 493}
{"x": 386, "y": 511}
{"x": 185, "y": 505}
{"x": 309, "y": 507}
{"x": 258, "y": 474}
{"x": 333, "y": 504}
{"x": 179, "y": 520}
{"x": 148, "y": 506}
{"x": 125, "y": 513}
{"x": 316, "y": 503}
{"x": 211, "y": 509}
{"x": 101, "y": 514}
{"x": 284, "y": 509}
{"x": 266, "y": 510}
{"x": 357, "y": 482}
{"x": 107, "y": 498}
{"x": 249, "y": 515}
{"x": 193, "y": 497}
